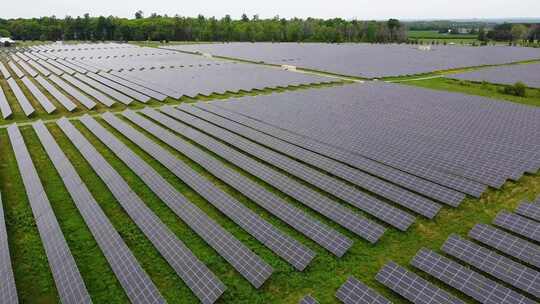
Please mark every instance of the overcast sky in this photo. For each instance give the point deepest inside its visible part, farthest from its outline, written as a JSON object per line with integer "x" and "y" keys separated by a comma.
{"x": 348, "y": 9}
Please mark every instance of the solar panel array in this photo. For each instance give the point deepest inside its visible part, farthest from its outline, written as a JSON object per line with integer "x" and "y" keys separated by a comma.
{"x": 4, "y": 71}
{"x": 286, "y": 247}
{"x": 507, "y": 243}
{"x": 59, "y": 96}
{"x": 320, "y": 233}
{"x": 69, "y": 282}
{"x": 366, "y": 181}
{"x": 510, "y": 74}
{"x": 83, "y": 99}
{"x": 16, "y": 69}
{"x": 498, "y": 266}
{"x": 419, "y": 185}
{"x": 365, "y": 60}
{"x": 8, "y": 292}
{"x": 530, "y": 210}
{"x": 465, "y": 280}
{"x": 25, "y": 104}
{"x": 138, "y": 286}
{"x": 355, "y": 292}
{"x": 412, "y": 287}
{"x": 333, "y": 186}
{"x": 452, "y": 140}
{"x": 5, "y": 108}
{"x": 39, "y": 96}
{"x": 203, "y": 283}
{"x": 361, "y": 226}
{"x": 254, "y": 269}
{"x": 518, "y": 224}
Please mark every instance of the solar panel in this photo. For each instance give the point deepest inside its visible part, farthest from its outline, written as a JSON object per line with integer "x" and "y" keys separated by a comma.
{"x": 40, "y": 97}
{"x": 391, "y": 215}
{"x": 90, "y": 91}
{"x": 507, "y": 243}
{"x": 320, "y": 233}
{"x": 412, "y": 287}
{"x": 199, "y": 279}
{"x": 518, "y": 224}
{"x": 134, "y": 86}
{"x": 115, "y": 94}
{"x": 308, "y": 300}
{"x": 355, "y": 292}
{"x": 40, "y": 68}
{"x": 498, "y": 266}
{"x": 87, "y": 102}
{"x": 4, "y": 71}
{"x": 8, "y": 291}
{"x": 26, "y": 106}
{"x": 62, "y": 99}
{"x": 72, "y": 66}
{"x": 425, "y": 187}
{"x": 16, "y": 69}
{"x": 254, "y": 269}
{"x": 61, "y": 67}
{"x": 465, "y": 280}
{"x": 530, "y": 210}
{"x": 355, "y": 223}
{"x": 283, "y": 245}
{"x": 50, "y": 67}
{"x": 135, "y": 281}
{"x": 69, "y": 282}
{"x": 28, "y": 69}
{"x": 126, "y": 90}
{"x": 4, "y": 105}
{"x": 370, "y": 183}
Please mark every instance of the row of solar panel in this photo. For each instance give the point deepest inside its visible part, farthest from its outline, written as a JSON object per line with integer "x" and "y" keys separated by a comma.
{"x": 519, "y": 276}
{"x": 125, "y": 267}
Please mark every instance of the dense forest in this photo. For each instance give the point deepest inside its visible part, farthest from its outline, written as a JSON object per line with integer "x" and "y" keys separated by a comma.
{"x": 165, "y": 28}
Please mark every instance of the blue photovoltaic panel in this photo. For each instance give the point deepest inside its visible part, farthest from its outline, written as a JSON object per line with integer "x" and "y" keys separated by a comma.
{"x": 507, "y": 243}
{"x": 108, "y": 102}
{"x": 320, "y": 233}
{"x": 40, "y": 97}
{"x": 355, "y": 292}
{"x": 283, "y": 245}
{"x": 60, "y": 97}
{"x": 469, "y": 282}
{"x": 253, "y": 268}
{"x": 8, "y": 292}
{"x": 4, "y": 105}
{"x": 425, "y": 187}
{"x": 370, "y": 183}
{"x": 26, "y": 106}
{"x": 518, "y": 224}
{"x": 69, "y": 282}
{"x": 361, "y": 226}
{"x": 83, "y": 99}
{"x": 530, "y": 210}
{"x": 196, "y": 275}
{"x": 412, "y": 287}
{"x": 498, "y": 266}
{"x": 137, "y": 284}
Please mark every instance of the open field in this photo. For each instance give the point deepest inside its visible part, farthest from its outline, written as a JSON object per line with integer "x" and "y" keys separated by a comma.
{"x": 200, "y": 179}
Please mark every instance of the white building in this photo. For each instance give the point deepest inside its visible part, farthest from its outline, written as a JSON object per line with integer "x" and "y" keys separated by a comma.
{"x": 6, "y": 41}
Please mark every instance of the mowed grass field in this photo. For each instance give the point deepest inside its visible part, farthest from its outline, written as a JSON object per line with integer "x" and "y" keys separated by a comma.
{"x": 321, "y": 278}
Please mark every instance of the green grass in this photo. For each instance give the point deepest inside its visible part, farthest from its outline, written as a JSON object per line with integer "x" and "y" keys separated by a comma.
{"x": 480, "y": 89}
{"x": 437, "y": 35}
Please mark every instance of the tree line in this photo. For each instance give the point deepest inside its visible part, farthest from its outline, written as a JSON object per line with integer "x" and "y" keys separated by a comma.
{"x": 179, "y": 28}
{"x": 512, "y": 32}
